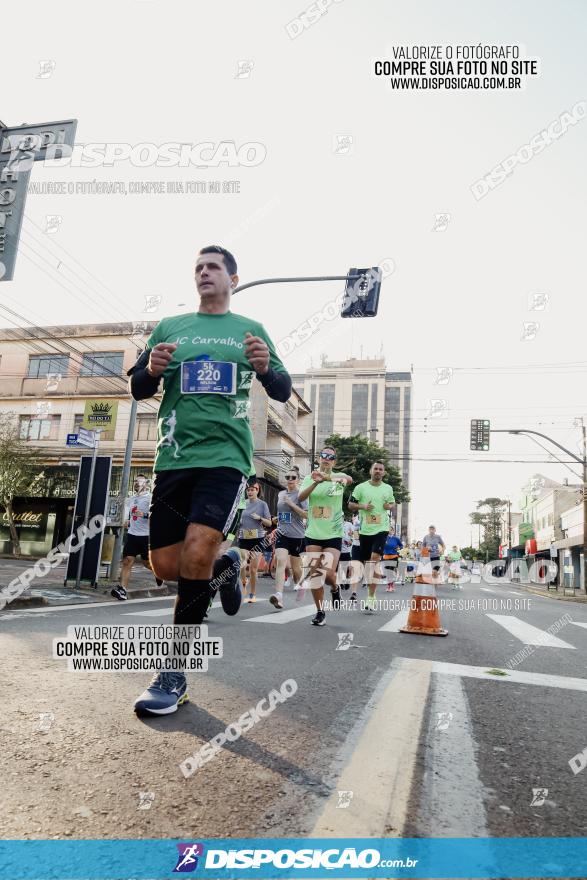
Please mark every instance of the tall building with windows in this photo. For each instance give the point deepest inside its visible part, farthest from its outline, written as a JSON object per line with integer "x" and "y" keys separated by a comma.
{"x": 362, "y": 397}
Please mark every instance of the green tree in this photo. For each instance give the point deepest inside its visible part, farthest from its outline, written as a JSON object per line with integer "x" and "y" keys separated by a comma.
{"x": 19, "y": 472}
{"x": 356, "y": 454}
{"x": 489, "y": 516}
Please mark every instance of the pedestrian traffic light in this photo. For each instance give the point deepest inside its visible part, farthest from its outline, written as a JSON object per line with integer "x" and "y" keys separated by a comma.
{"x": 480, "y": 430}
{"x": 361, "y": 295}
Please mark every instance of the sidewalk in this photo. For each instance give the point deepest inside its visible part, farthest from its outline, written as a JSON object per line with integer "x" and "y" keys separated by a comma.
{"x": 50, "y": 590}
{"x": 539, "y": 590}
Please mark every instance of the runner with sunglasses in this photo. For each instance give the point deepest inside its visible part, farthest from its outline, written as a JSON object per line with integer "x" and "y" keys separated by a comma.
{"x": 324, "y": 489}
{"x": 255, "y": 518}
{"x": 289, "y": 543}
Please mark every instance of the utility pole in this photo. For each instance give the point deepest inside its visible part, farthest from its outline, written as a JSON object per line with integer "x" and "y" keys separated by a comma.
{"x": 124, "y": 481}
{"x": 313, "y": 447}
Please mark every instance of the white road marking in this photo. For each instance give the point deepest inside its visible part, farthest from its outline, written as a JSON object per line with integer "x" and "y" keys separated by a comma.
{"x": 452, "y": 810}
{"x": 397, "y": 621}
{"x": 161, "y": 612}
{"x": 514, "y": 676}
{"x": 387, "y": 739}
{"x": 487, "y": 590}
{"x": 528, "y": 634}
{"x": 284, "y": 616}
{"x": 576, "y": 623}
{"x": 515, "y": 593}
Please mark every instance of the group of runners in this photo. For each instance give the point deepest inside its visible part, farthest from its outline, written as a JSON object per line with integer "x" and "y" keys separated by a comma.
{"x": 207, "y": 361}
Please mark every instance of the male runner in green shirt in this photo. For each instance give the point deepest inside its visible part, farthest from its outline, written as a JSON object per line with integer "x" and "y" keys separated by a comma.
{"x": 373, "y": 499}
{"x": 208, "y": 361}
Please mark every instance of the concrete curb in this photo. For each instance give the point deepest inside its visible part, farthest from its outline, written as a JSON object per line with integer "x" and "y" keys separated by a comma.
{"x": 100, "y": 593}
{"x": 552, "y": 594}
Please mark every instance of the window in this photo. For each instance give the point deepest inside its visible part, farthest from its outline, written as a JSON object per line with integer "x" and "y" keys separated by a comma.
{"x": 39, "y": 428}
{"x": 146, "y": 427}
{"x": 102, "y": 363}
{"x": 325, "y": 422}
{"x": 77, "y": 423}
{"x": 40, "y": 365}
{"x": 359, "y": 404}
{"x": 391, "y": 420}
{"x": 373, "y": 411}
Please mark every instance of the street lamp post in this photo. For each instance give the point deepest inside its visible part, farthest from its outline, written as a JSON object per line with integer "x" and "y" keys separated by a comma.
{"x": 582, "y": 461}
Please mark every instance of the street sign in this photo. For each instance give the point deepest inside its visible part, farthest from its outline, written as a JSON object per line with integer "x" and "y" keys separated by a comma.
{"x": 20, "y": 146}
{"x": 361, "y": 295}
{"x": 480, "y": 434}
{"x": 86, "y": 438}
{"x": 72, "y": 440}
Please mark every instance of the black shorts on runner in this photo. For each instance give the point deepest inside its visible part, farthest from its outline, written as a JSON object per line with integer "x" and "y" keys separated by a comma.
{"x": 356, "y": 553}
{"x": 261, "y": 545}
{"x": 207, "y": 496}
{"x": 294, "y": 546}
{"x": 136, "y": 545}
{"x": 372, "y": 544}
{"x": 345, "y": 557}
{"x": 331, "y": 543}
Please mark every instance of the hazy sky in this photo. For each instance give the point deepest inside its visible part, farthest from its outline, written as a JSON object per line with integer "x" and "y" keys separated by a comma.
{"x": 156, "y": 72}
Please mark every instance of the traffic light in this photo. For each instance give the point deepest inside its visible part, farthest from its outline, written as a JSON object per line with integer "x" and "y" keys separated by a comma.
{"x": 361, "y": 295}
{"x": 480, "y": 434}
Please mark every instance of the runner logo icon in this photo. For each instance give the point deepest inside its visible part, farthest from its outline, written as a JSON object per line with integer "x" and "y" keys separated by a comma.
{"x": 187, "y": 860}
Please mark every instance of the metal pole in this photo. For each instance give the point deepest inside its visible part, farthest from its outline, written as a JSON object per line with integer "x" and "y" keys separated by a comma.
{"x": 124, "y": 481}
{"x": 285, "y": 280}
{"x": 313, "y": 447}
{"x": 80, "y": 560}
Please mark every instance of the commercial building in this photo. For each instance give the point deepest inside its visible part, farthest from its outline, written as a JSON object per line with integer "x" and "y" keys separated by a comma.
{"x": 48, "y": 374}
{"x": 360, "y": 396}
{"x": 551, "y": 527}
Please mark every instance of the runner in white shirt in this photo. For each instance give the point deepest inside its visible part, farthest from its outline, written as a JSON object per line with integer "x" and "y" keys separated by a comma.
{"x": 137, "y": 539}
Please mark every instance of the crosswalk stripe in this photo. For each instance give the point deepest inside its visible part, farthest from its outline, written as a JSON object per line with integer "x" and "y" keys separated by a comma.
{"x": 397, "y": 621}
{"x": 528, "y": 634}
{"x": 576, "y": 623}
{"x": 514, "y": 676}
{"x": 515, "y": 593}
{"x": 487, "y": 590}
{"x": 284, "y": 616}
{"x": 161, "y": 612}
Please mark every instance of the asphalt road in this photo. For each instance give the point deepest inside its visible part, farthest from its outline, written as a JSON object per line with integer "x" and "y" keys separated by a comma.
{"x": 417, "y": 749}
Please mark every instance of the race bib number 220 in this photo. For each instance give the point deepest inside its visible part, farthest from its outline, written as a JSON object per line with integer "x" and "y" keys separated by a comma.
{"x": 208, "y": 377}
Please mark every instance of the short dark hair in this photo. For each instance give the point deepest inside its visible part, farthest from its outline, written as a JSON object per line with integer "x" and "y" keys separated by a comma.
{"x": 377, "y": 461}
{"x": 229, "y": 260}
{"x": 254, "y": 484}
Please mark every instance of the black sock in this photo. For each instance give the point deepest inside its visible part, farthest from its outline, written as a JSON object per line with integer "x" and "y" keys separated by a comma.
{"x": 192, "y": 601}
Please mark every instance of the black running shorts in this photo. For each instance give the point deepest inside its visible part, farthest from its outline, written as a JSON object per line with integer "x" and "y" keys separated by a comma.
{"x": 372, "y": 544}
{"x": 207, "y": 496}
{"x": 136, "y": 545}
{"x": 294, "y": 546}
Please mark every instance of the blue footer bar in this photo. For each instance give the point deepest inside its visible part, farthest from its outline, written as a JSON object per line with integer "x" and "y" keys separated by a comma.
{"x": 294, "y": 858}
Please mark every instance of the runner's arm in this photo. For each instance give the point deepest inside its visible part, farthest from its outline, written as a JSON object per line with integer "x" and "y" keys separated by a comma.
{"x": 141, "y": 383}
{"x": 299, "y": 510}
{"x": 276, "y": 384}
{"x": 305, "y": 493}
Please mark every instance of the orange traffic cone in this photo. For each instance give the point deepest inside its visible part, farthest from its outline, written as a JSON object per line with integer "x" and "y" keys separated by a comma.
{"x": 424, "y": 617}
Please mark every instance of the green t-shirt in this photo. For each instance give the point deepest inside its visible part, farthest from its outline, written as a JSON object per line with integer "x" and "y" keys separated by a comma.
{"x": 325, "y": 519}
{"x": 376, "y": 520}
{"x": 454, "y": 556}
{"x": 203, "y": 416}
